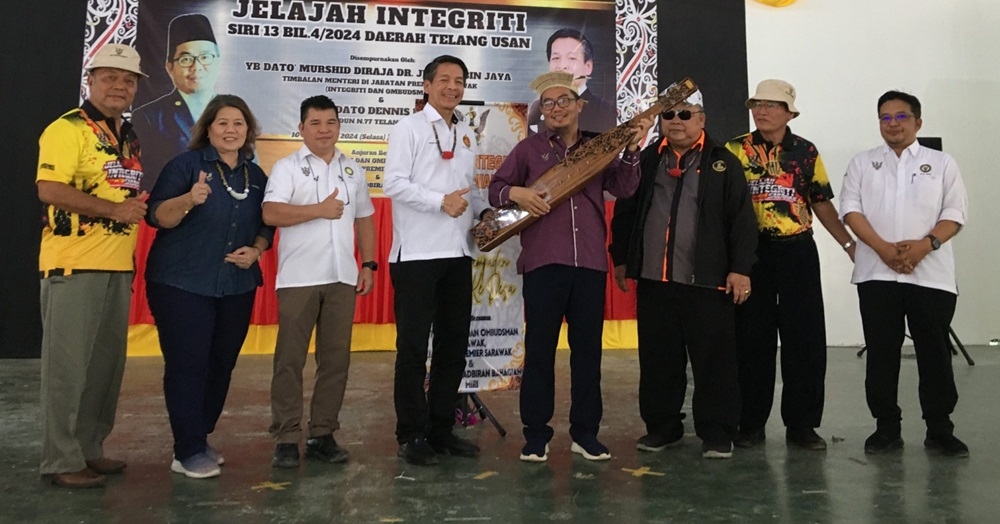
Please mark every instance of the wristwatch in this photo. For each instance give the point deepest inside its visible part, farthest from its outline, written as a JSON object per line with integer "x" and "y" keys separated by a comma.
{"x": 371, "y": 264}
{"x": 847, "y": 245}
{"x": 935, "y": 243}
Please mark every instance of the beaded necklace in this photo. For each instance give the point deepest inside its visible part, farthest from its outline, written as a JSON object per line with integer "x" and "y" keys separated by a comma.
{"x": 447, "y": 155}
{"x": 229, "y": 189}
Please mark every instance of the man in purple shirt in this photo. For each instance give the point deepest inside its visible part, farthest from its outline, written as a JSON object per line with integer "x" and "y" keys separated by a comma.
{"x": 564, "y": 263}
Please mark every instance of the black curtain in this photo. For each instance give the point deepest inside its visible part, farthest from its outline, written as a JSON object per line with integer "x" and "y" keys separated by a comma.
{"x": 43, "y": 43}
{"x": 707, "y": 41}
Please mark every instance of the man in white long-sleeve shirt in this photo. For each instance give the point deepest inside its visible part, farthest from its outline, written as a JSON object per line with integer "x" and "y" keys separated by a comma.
{"x": 905, "y": 202}
{"x": 430, "y": 165}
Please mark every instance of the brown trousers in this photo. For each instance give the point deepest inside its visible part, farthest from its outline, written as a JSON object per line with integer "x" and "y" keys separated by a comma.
{"x": 330, "y": 309}
{"x": 84, "y": 339}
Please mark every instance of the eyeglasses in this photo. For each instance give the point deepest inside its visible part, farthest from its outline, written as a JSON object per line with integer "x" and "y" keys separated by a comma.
{"x": 898, "y": 117}
{"x": 683, "y": 115}
{"x": 770, "y": 105}
{"x": 563, "y": 101}
{"x": 186, "y": 60}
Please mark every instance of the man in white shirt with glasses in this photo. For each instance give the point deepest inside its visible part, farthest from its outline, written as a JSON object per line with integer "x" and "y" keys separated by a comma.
{"x": 319, "y": 200}
{"x": 905, "y": 202}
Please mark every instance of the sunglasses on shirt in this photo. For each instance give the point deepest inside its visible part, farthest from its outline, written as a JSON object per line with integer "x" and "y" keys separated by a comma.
{"x": 683, "y": 115}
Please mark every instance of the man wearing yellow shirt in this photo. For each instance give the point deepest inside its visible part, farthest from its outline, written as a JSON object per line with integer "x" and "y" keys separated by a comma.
{"x": 88, "y": 180}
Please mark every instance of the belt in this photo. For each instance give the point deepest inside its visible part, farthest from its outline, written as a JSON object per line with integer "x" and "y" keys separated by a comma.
{"x": 790, "y": 239}
{"x": 61, "y": 272}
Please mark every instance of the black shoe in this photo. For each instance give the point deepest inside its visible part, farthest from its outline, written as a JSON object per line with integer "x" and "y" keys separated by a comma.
{"x": 948, "y": 446}
{"x": 285, "y": 456}
{"x": 658, "y": 442}
{"x": 418, "y": 452}
{"x": 883, "y": 442}
{"x": 451, "y": 444}
{"x": 748, "y": 438}
{"x": 805, "y": 438}
{"x": 325, "y": 449}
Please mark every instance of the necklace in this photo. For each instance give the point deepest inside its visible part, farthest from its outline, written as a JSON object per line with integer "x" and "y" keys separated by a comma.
{"x": 229, "y": 189}
{"x": 447, "y": 155}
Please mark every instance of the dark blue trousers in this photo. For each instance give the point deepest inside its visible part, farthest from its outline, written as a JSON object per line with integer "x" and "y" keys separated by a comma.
{"x": 551, "y": 293}
{"x": 200, "y": 338}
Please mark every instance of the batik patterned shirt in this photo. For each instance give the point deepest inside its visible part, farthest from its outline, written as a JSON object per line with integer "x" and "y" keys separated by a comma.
{"x": 81, "y": 150}
{"x": 785, "y": 180}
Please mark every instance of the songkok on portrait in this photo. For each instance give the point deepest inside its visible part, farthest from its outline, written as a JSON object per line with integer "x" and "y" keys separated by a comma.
{"x": 188, "y": 28}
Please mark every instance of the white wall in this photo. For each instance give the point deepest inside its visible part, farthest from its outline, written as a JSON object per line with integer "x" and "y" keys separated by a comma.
{"x": 841, "y": 55}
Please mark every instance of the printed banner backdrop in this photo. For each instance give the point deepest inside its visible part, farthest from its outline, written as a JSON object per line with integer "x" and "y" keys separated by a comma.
{"x": 496, "y": 338}
{"x": 265, "y": 57}
{"x": 367, "y": 56}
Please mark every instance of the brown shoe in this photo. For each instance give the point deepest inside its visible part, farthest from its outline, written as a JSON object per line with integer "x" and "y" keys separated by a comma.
{"x": 78, "y": 479}
{"x": 106, "y": 466}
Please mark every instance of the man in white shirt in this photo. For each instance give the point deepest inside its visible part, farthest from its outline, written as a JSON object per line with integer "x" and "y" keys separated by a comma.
{"x": 429, "y": 169}
{"x": 318, "y": 198}
{"x": 905, "y": 202}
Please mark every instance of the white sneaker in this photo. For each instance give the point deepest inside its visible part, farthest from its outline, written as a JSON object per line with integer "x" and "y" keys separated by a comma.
{"x": 717, "y": 451}
{"x": 199, "y": 466}
{"x": 598, "y": 453}
{"x": 533, "y": 456}
{"x": 214, "y": 455}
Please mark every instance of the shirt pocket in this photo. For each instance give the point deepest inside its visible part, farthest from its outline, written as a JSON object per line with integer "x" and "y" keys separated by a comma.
{"x": 928, "y": 191}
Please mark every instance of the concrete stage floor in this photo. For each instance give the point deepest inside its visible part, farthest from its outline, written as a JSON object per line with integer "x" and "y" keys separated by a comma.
{"x": 768, "y": 484}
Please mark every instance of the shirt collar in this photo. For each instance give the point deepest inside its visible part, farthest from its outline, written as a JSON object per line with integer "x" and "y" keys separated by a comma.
{"x": 698, "y": 145}
{"x": 432, "y": 114}
{"x": 209, "y": 154}
{"x": 787, "y": 142}
{"x": 94, "y": 113}
{"x": 552, "y": 135}
{"x": 97, "y": 116}
{"x": 304, "y": 152}
{"x": 913, "y": 148}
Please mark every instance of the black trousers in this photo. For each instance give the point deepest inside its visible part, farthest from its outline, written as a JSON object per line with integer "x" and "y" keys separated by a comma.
{"x": 200, "y": 338}
{"x": 550, "y": 293}
{"x": 677, "y": 322}
{"x": 927, "y": 313}
{"x": 787, "y": 299}
{"x": 430, "y": 293}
